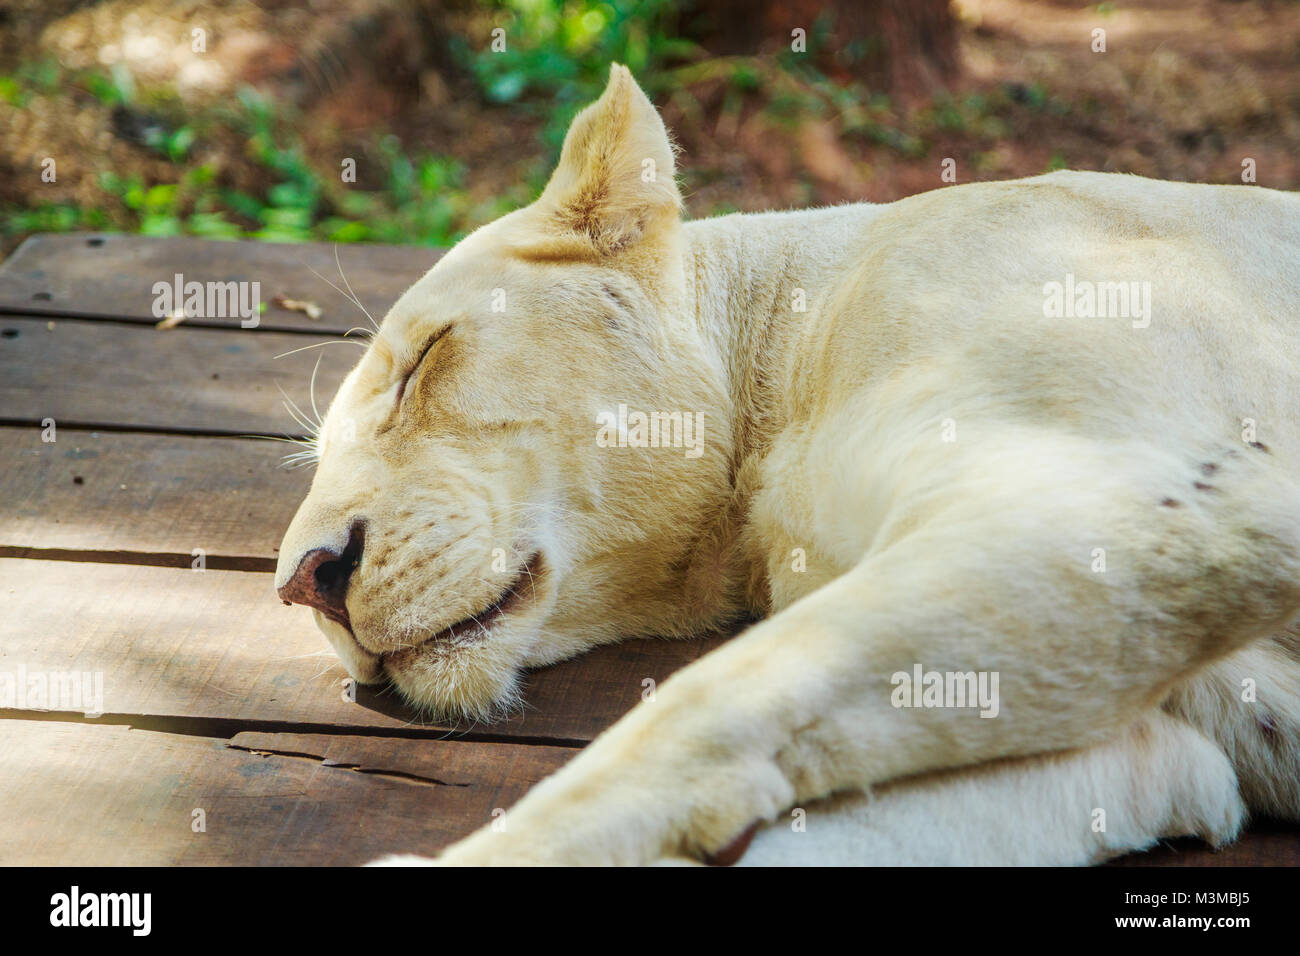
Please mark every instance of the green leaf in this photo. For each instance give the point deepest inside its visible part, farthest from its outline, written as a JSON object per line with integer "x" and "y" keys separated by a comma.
{"x": 347, "y": 231}
{"x": 160, "y": 199}
{"x": 11, "y": 92}
{"x": 179, "y": 143}
{"x": 213, "y": 225}
{"x": 153, "y": 224}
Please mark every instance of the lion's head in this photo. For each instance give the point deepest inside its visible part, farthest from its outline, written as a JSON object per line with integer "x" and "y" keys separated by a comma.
{"x": 533, "y": 456}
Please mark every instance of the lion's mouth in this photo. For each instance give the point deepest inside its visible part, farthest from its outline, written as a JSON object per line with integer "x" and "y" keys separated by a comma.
{"x": 520, "y": 591}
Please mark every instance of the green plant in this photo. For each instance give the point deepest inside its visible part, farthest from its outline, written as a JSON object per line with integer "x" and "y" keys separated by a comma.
{"x": 50, "y": 217}
{"x": 115, "y": 89}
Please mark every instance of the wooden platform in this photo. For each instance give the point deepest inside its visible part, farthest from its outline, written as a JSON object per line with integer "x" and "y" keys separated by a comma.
{"x": 226, "y": 736}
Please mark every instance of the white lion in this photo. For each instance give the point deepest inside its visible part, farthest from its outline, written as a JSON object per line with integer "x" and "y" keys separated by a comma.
{"x": 1009, "y": 469}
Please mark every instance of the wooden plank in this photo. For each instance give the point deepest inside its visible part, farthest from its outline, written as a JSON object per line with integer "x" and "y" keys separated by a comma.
{"x": 219, "y": 646}
{"x": 86, "y": 795}
{"x": 105, "y": 275}
{"x": 151, "y": 498}
{"x": 100, "y": 374}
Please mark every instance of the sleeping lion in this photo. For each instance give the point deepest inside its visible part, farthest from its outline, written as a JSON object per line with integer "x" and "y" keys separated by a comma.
{"x": 1009, "y": 472}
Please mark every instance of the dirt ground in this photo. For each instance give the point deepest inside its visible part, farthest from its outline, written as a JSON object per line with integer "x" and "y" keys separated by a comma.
{"x": 1186, "y": 90}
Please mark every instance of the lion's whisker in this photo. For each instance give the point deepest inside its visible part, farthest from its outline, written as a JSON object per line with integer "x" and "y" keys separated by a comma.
{"x": 297, "y": 417}
{"x": 298, "y": 414}
{"x": 342, "y": 340}
{"x": 311, "y": 391}
{"x": 339, "y": 265}
{"x": 351, "y": 298}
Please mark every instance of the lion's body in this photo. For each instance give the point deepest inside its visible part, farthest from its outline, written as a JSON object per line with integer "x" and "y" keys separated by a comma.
{"x": 927, "y": 333}
{"x": 923, "y": 450}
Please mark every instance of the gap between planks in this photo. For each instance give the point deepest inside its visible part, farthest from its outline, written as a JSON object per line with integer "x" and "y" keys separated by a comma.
{"x": 171, "y": 559}
{"x": 176, "y": 431}
{"x": 102, "y": 318}
{"x": 228, "y": 728}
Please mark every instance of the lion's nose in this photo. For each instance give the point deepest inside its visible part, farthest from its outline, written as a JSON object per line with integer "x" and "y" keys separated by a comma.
{"x": 321, "y": 579}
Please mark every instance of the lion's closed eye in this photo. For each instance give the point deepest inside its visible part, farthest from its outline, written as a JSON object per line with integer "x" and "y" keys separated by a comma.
{"x": 415, "y": 366}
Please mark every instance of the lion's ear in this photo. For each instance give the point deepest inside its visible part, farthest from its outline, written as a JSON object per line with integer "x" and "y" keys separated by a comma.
{"x": 615, "y": 182}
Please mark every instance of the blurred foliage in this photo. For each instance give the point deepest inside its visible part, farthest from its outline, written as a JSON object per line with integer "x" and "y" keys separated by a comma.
{"x": 556, "y": 58}
{"x": 560, "y": 52}
{"x": 420, "y": 203}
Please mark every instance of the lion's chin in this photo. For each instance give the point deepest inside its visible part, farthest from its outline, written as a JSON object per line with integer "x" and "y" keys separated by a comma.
{"x": 479, "y": 682}
{"x": 470, "y": 670}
